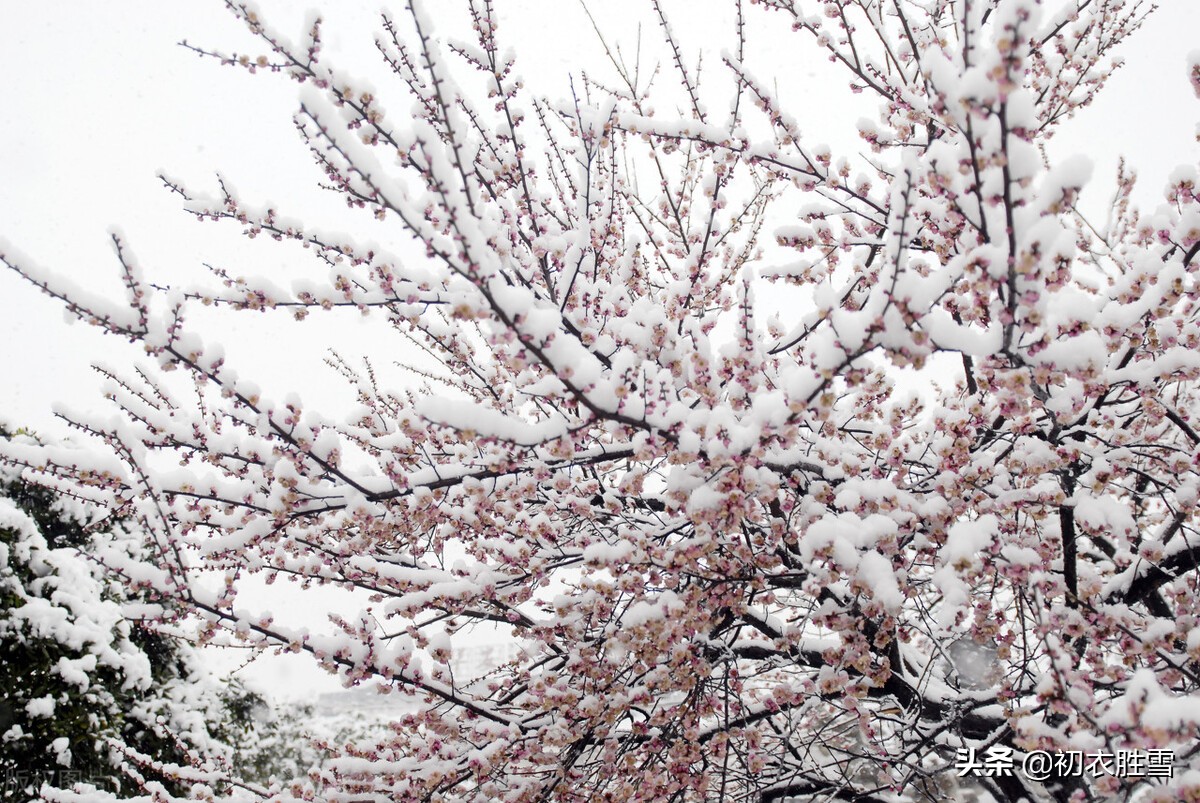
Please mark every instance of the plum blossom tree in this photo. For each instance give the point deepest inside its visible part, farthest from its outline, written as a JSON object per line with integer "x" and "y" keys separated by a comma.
{"x": 658, "y": 436}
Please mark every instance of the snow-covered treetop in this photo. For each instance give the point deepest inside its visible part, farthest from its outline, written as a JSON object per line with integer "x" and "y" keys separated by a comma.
{"x": 656, "y": 432}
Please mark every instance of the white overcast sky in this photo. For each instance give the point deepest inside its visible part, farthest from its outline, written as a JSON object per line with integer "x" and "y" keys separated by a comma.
{"x": 98, "y": 98}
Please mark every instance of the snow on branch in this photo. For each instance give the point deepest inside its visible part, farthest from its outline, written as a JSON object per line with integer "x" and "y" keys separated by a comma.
{"x": 790, "y": 472}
